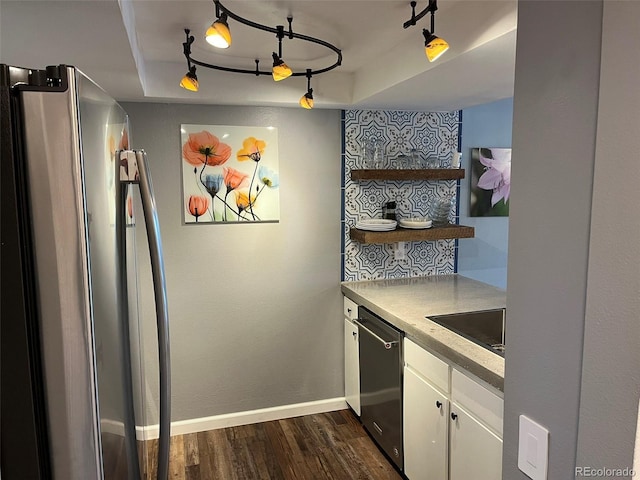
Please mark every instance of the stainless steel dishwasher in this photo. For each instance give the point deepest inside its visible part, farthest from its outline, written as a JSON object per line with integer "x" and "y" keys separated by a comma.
{"x": 381, "y": 382}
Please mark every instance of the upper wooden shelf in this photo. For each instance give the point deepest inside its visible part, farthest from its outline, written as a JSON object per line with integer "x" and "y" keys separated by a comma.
{"x": 413, "y": 174}
{"x": 410, "y": 235}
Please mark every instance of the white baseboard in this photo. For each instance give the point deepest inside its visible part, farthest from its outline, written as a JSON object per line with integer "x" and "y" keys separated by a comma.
{"x": 244, "y": 418}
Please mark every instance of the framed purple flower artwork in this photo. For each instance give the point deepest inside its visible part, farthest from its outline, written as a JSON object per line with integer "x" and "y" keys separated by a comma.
{"x": 490, "y": 182}
{"x": 229, "y": 174}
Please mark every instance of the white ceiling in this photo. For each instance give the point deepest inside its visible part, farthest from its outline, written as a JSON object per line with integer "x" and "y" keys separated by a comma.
{"x": 133, "y": 49}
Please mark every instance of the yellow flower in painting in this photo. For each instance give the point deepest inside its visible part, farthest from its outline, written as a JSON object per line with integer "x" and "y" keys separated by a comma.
{"x": 252, "y": 149}
{"x": 242, "y": 200}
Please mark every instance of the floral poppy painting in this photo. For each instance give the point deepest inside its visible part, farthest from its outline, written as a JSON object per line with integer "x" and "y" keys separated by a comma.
{"x": 490, "y": 182}
{"x": 230, "y": 174}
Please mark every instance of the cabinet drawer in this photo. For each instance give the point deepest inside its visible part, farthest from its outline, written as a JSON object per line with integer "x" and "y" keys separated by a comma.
{"x": 427, "y": 365}
{"x": 350, "y": 309}
{"x": 484, "y": 404}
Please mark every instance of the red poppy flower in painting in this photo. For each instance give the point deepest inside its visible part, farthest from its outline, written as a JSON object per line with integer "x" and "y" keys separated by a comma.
{"x": 197, "y": 205}
{"x": 234, "y": 179}
{"x": 204, "y": 148}
{"x": 252, "y": 149}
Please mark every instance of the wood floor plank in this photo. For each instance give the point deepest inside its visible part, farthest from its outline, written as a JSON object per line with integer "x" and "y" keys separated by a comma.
{"x": 176, "y": 458}
{"x": 217, "y": 453}
{"x": 152, "y": 459}
{"x": 326, "y": 446}
{"x": 191, "y": 453}
{"x": 192, "y": 472}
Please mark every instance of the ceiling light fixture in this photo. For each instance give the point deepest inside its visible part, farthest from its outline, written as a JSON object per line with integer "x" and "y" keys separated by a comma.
{"x": 434, "y": 46}
{"x": 280, "y": 70}
{"x": 190, "y": 80}
{"x": 306, "y": 101}
{"x": 219, "y": 35}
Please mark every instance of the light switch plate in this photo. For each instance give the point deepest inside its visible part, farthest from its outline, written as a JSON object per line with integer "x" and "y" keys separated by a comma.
{"x": 533, "y": 449}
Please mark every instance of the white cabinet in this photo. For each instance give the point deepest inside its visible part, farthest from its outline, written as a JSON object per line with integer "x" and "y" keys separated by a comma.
{"x": 426, "y": 413}
{"x": 452, "y": 424}
{"x": 475, "y": 451}
{"x": 351, "y": 356}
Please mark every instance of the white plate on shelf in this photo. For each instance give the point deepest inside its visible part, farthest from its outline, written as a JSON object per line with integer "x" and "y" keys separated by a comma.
{"x": 376, "y": 224}
{"x": 416, "y": 223}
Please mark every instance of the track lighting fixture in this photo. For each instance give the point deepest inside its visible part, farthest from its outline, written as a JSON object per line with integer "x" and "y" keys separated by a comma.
{"x": 190, "y": 80}
{"x": 434, "y": 46}
{"x": 280, "y": 70}
{"x": 306, "y": 101}
{"x": 219, "y": 35}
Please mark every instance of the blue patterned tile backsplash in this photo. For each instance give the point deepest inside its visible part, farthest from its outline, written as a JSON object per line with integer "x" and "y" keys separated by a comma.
{"x": 433, "y": 134}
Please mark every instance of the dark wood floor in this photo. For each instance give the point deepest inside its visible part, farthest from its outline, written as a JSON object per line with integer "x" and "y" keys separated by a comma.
{"x": 314, "y": 447}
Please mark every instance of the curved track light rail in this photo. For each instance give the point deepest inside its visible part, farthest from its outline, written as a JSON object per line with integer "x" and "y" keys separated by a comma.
{"x": 280, "y": 33}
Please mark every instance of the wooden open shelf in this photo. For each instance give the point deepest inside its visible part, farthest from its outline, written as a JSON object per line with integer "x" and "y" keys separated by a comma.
{"x": 410, "y": 235}
{"x": 414, "y": 174}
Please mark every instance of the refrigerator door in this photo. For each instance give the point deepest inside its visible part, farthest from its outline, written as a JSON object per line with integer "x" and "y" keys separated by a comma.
{"x": 70, "y": 139}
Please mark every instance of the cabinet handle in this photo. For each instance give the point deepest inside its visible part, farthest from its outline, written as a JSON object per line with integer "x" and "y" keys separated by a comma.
{"x": 349, "y": 311}
{"x": 454, "y": 416}
{"x": 438, "y": 404}
{"x": 354, "y": 334}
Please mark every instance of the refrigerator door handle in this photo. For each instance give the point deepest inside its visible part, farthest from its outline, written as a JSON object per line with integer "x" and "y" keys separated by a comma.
{"x": 134, "y": 169}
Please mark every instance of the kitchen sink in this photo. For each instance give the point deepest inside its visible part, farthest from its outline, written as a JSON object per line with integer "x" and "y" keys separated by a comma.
{"x": 486, "y": 327}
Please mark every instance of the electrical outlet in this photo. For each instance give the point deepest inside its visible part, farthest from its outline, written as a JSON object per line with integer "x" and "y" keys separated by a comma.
{"x": 400, "y": 251}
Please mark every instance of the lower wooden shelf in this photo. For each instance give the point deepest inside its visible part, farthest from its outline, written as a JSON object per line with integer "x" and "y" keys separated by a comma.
{"x": 410, "y": 235}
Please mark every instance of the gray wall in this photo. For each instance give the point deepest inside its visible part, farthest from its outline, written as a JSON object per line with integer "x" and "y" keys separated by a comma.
{"x": 485, "y": 256}
{"x": 255, "y": 309}
{"x": 611, "y": 364}
{"x": 554, "y": 130}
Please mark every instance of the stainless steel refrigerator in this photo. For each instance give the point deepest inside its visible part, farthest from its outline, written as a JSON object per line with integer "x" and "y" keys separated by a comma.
{"x": 67, "y": 376}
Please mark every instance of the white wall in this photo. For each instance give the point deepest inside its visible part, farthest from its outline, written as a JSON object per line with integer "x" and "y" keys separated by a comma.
{"x": 255, "y": 310}
{"x": 554, "y": 130}
{"x": 611, "y": 363}
{"x": 484, "y": 257}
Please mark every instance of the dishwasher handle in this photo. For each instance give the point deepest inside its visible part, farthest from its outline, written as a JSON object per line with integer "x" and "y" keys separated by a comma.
{"x": 387, "y": 344}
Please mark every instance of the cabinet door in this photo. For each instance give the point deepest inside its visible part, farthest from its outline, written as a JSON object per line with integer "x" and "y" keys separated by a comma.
{"x": 425, "y": 429}
{"x": 351, "y": 366}
{"x": 476, "y": 452}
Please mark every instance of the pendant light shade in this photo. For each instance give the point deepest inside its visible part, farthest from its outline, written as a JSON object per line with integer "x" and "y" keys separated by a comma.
{"x": 280, "y": 69}
{"x": 306, "y": 101}
{"x": 218, "y": 34}
{"x": 434, "y": 46}
{"x": 190, "y": 80}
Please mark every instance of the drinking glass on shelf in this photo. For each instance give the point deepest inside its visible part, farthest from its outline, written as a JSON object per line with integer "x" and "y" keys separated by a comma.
{"x": 403, "y": 161}
{"x": 367, "y": 153}
{"x": 445, "y": 163}
{"x": 379, "y": 160}
{"x": 414, "y": 158}
{"x": 432, "y": 162}
{"x": 440, "y": 210}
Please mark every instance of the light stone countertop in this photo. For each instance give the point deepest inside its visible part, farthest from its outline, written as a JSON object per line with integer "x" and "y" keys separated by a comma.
{"x": 406, "y": 302}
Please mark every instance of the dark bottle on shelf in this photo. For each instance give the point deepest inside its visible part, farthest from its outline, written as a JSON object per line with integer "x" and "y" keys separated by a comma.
{"x": 389, "y": 211}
